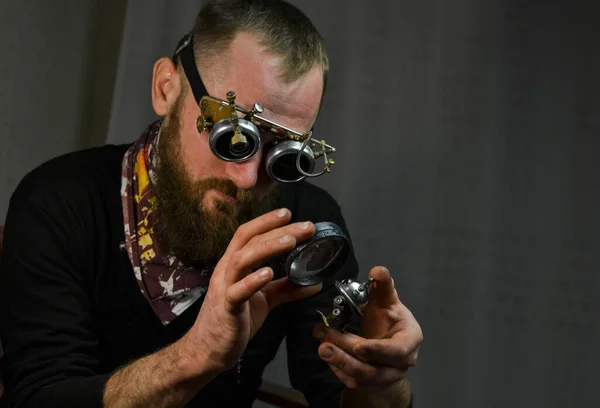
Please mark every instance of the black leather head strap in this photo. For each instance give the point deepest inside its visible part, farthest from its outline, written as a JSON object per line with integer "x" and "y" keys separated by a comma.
{"x": 185, "y": 50}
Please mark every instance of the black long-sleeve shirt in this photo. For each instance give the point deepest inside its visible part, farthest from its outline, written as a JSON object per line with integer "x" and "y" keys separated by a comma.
{"x": 71, "y": 312}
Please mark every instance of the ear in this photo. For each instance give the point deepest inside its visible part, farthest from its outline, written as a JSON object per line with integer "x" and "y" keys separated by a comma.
{"x": 165, "y": 85}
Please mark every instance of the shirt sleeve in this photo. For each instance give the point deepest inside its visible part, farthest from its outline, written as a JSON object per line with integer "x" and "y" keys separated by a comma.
{"x": 308, "y": 373}
{"x": 45, "y": 321}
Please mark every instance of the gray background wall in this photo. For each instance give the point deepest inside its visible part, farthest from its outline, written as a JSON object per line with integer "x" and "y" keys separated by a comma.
{"x": 468, "y": 137}
{"x": 57, "y": 73}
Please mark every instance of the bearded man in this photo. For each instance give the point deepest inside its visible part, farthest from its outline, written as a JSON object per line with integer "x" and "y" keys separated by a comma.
{"x": 140, "y": 275}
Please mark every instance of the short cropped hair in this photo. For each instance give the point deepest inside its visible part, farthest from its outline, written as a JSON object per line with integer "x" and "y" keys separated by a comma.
{"x": 280, "y": 26}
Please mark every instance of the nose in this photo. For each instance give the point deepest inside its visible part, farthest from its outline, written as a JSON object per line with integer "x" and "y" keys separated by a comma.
{"x": 244, "y": 174}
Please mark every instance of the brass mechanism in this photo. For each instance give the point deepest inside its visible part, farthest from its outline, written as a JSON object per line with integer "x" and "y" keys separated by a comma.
{"x": 215, "y": 110}
{"x": 238, "y": 138}
{"x": 351, "y": 298}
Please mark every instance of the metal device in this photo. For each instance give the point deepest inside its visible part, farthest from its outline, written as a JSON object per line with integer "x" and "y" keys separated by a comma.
{"x": 318, "y": 258}
{"x": 352, "y": 296}
{"x": 235, "y": 136}
{"x": 235, "y": 133}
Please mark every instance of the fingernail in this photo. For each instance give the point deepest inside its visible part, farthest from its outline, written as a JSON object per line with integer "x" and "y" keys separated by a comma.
{"x": 282, "y": 213}
{"x": 286, "y": 239}
{"x": 386, "y": 270}
{"x": 305, "y": 225}
{"x": 327, "y": 352}
{"x": 320, "y": 333}
{"x": 265, "y": 273}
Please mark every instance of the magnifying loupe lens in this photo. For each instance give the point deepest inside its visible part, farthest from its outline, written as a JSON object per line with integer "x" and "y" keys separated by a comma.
{"x": 239, "y": 149}
{"x": 225, "y": 145}
{"x": 281, "y": 159}
{"x": 285, "y": 167}
{"x": 227, "y": 148}
{"x": 317, "y": 259}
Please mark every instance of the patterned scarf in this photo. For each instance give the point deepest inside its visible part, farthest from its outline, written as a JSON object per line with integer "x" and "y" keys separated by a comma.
{"x": 167, "y": 284}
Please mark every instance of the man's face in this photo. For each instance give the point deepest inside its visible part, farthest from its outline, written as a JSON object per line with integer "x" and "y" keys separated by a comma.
{"x": 204, "y": 199}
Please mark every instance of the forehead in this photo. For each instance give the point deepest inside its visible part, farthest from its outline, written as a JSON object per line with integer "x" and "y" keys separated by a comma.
{"x": 256, "y": 75}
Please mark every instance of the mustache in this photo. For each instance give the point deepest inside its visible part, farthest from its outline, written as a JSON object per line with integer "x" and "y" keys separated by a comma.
{"x": 226, "y": 187}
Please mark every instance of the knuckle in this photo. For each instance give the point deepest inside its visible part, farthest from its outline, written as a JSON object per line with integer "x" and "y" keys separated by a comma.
{"x": 295, "y": 230}
{"x": 360, "y": 351}
{"x": 265, "y": 246}
{"x": 229, "y": 297}
{"x": 330, "y": 336}
{"x": 370, "y": 375}
{"x": 412, "y": 359}
{"x": 344, "y": 364}
{"x": 394, "y": 375}
{"x": 243, "y": 230}
{"x": 265, "y": 222}
{"x": 236, "y": 261}
{"x": 403, "y": 350}
{"x": 351, "y": 383}
{"x": 254, "y": 240}
{"x": 246, "y": 287}
{"x": 337, "y": 338}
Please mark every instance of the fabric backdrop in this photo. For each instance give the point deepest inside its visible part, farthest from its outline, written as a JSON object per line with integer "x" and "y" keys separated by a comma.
{"x": 467, "y": 136}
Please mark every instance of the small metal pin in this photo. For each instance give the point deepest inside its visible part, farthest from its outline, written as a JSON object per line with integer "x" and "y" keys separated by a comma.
{"x": 258, "y": 108}
{"x": 231, "y": 97}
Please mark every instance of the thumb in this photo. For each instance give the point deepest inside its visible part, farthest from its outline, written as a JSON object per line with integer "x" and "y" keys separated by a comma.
{"x": 382, "y": 289}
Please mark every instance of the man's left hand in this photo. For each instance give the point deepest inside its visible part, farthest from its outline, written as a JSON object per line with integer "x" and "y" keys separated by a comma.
{"x": 390, "y": 342}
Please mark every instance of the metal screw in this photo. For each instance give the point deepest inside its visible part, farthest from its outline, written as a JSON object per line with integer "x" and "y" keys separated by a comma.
{"x": 336, "y": 312}
{"x": 338, "y": 300}
{"x": 231, "y": 97}
{"x": 258, "y": 108}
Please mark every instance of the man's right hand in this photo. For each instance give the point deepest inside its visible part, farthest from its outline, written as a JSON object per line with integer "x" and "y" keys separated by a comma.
{"x": 239, "y": 298}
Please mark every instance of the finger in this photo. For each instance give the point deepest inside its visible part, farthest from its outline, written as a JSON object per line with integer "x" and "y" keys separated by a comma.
{"x": 259, "y": 225}
{"x": 365, "y": 374}
{"x": 243, "y": 290}
{"x": 252, "y": 257}
{"x": 345, "y": 378}
{"x": 382, "y": 289}
{"x": 371, "y": 350}
{"x": 413, "y": 357}
{"x": 283, "y": 291}
{"x": 397, "y": 351}
{"x": 345, "y": 341}
{"x": 353, "y": 345}
{"x": 300, "y": 230}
